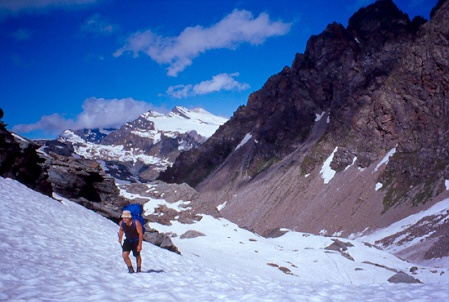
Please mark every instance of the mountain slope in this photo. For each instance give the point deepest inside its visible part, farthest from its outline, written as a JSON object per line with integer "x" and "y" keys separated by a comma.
{"x": 141, "y": 149}
{"x": 357, "y": 94}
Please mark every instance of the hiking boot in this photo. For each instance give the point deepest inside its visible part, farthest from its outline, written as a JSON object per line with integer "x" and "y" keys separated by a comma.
{"x": 131, "y": 270}
{"x": 139, "y": 270}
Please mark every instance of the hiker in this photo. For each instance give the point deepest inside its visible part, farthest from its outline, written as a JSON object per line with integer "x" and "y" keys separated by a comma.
{"x": 132, "y": 228}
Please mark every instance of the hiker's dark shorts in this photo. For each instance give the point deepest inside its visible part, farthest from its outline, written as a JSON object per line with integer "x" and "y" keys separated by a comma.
{"x": 131, "y": 245}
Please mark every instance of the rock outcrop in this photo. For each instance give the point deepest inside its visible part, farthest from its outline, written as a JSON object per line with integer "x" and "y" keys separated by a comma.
{"x": 50, "y": 169}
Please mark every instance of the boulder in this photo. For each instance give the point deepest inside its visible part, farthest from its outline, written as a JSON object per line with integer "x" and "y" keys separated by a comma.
{"x": 403, "y": 278}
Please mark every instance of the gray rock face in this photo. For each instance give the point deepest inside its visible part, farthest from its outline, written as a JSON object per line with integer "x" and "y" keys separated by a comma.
{"x": 80, "y": 178}
{"x": 161, "y": 240}
{"x": 55, "y": 171}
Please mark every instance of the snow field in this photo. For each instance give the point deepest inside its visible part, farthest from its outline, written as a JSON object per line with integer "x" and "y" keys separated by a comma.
{"x": 61, "y": 251}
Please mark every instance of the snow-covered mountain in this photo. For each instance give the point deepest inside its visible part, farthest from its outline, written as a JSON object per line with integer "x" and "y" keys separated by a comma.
{"x": 142, "y": 148}
{"x": 59, "y": 250}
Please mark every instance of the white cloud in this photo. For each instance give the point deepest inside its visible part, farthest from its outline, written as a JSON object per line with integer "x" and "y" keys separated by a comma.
{"x": 97, "y": 113}
{"x": 222, "y": 81}
{"x": 219, "y": 82}
{"x": 178, "y": 52}
{"x": 179, "y": 91}
{"x": 53, "y": 123}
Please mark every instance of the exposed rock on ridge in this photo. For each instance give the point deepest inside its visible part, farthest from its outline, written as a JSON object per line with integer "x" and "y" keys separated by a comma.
{"x": 379, "y": 84}
{"x": 337, "y": 66}
{"x": 55, "y": 171}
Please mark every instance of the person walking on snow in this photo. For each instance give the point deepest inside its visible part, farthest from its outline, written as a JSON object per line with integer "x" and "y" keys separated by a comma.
{"x": 132, "y": 228}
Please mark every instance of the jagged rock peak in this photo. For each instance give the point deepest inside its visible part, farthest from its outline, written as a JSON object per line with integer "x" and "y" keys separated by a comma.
{"x": 383, "y": 18}
{"x": 377, "y": 14}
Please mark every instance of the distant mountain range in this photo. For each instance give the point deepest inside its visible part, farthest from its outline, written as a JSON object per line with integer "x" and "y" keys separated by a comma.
{"x": 140, "y": 149}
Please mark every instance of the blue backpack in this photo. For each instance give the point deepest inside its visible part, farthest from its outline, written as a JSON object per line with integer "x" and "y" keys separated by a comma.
{"x": 136, "y": 212}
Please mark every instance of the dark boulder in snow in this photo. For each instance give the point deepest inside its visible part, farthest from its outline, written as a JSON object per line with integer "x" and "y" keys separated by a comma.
{"x": 403, "y": 278}
{"x": 191, "y": 234}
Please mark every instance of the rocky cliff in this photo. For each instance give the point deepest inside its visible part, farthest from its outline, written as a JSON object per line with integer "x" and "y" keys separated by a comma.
{"x": 351, "y": 137}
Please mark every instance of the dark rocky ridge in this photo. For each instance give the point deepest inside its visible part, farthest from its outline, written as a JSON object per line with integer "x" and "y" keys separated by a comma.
{"x": 383, "y": 83}
{"x": 19, "y": 160}
{"x": 338, "y": 73}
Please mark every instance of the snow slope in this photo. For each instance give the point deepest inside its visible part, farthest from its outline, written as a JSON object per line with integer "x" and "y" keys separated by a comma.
{"x": 60, "y": 251}
{"x": 406, "y": 241}
{"x": 183, "y": 120}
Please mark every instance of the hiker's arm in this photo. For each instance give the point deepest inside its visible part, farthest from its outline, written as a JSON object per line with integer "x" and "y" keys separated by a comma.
{"x": 140, "y": 232}
{"x": 120, "y": 232}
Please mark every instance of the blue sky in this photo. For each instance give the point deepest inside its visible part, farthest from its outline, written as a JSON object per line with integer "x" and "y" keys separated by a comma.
{"x": 69, "y": 64}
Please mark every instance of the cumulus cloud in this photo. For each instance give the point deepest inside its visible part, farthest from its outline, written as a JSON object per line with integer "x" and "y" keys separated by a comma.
{"x": 222, "y": 81}
{"x": 53, "y": 123}
{"x": 97, "y": 113}
{"x": 219, "y": 82}
{"x": 178, "y": 52}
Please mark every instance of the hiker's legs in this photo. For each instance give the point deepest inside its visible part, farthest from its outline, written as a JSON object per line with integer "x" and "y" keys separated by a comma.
{"x": 125, "y": 256}
{"x": 137, "y": 255}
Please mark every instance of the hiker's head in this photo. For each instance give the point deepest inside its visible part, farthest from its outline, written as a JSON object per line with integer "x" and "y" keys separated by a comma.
{"x": 126, "y": 214}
